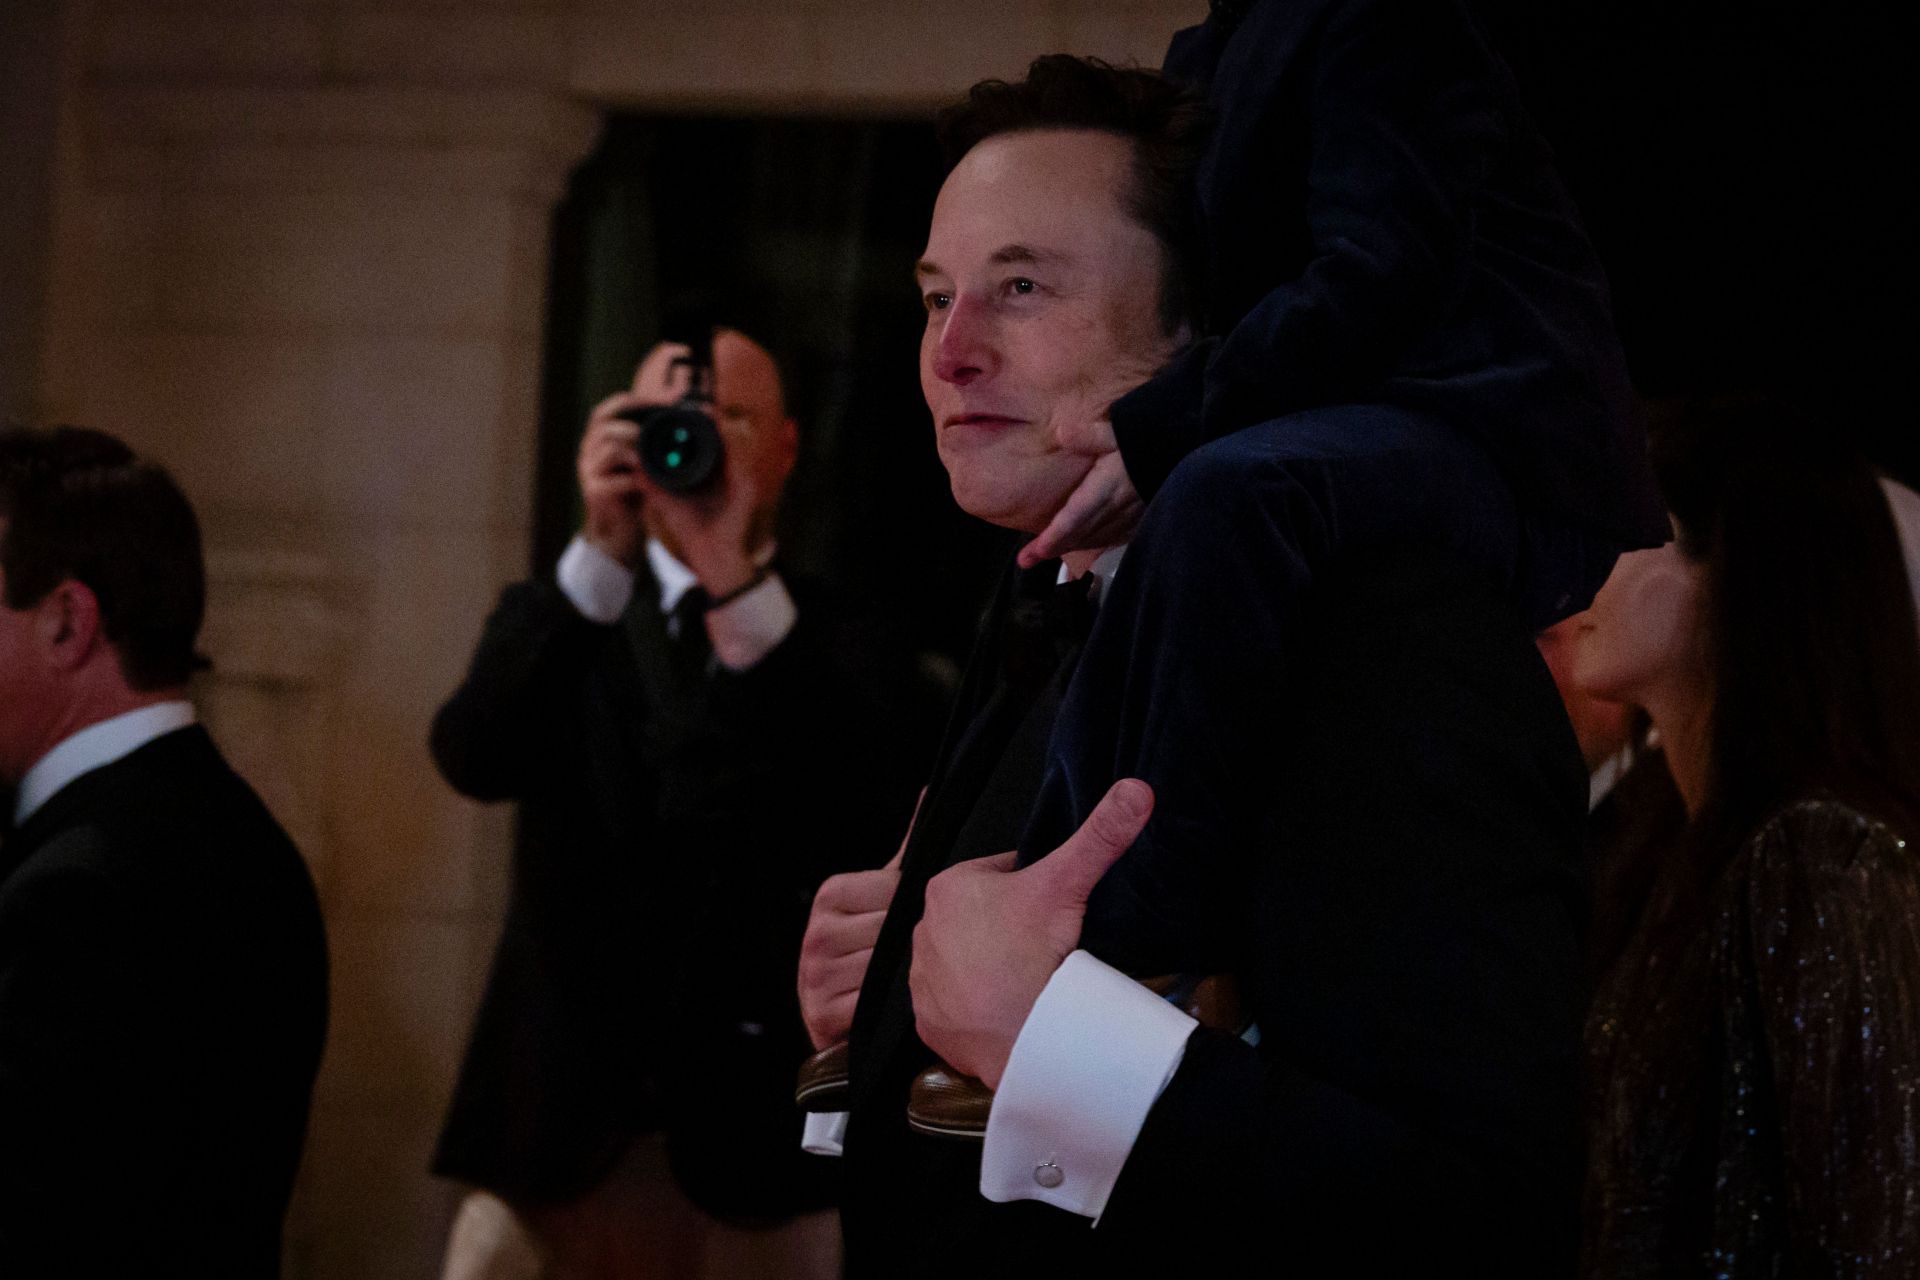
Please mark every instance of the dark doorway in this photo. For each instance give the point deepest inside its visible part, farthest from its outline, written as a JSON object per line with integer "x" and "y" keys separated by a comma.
{"x": 807, "y": 232}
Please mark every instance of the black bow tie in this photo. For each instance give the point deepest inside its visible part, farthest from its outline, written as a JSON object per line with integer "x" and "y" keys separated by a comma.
{"x": 1049, "y": 619}
{"x": 1063, "y": 610}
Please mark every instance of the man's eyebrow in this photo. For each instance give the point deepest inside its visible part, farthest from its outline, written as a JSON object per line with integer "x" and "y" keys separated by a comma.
{"x": 1026, "y": 255}
{"x": 1010, "y": 255}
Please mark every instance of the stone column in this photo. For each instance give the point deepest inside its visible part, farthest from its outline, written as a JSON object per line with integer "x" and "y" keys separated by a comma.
{"x": 300, "y": 257}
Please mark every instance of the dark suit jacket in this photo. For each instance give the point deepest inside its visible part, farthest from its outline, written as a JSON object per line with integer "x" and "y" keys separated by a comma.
{"x": 163, "y": 998}
{"x": 1382, "y": 223}
{"x": 673, "y": 830}
{"x": 1369, "y": 809}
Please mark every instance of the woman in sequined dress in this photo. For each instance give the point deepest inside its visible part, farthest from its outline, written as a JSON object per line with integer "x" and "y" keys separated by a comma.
{"x": 1755, "y": 1051}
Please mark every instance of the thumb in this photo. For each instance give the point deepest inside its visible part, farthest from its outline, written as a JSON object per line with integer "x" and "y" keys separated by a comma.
{"x": 1072, "y": 870}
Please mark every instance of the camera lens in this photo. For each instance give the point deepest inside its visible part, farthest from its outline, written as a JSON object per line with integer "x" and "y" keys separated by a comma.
{"x": 680, "y": 447}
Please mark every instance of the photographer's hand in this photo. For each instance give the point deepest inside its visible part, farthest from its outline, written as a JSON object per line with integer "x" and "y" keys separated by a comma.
{"x": 610, "y": 489}
{"x": 708, "y": 530}
{"x": 612, "y": 485}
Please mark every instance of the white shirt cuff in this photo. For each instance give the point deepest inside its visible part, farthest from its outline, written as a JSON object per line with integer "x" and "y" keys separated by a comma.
{"x": 825, "y": 1134}
{"x": 599, "y": 586}
{"x": 1066, "y": 1112}
{"x": 749, "y": 627}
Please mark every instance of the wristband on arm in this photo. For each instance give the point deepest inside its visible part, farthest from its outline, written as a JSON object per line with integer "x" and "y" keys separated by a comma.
{"x": 760, "y": 575}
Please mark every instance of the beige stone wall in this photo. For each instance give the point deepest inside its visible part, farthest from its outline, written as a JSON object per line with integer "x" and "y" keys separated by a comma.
{"x": 33, "y": 61}
{"x": 842, "y": 55}
{"x": 298, "y": 252}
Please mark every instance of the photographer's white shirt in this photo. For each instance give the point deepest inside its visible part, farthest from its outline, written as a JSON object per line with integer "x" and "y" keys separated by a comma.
{"x": 743, "y": 631}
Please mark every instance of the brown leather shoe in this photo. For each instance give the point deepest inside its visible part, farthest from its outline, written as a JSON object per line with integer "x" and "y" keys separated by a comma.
{"x": 822, "y": 1085}
{"x": 942, "y": 1103}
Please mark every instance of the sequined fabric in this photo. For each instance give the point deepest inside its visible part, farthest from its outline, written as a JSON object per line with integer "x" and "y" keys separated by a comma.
{"x": 1754, "y": 1087}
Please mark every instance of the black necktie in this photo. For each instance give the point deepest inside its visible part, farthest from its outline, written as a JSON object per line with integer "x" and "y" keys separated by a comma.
{"x": 687, "y": 634}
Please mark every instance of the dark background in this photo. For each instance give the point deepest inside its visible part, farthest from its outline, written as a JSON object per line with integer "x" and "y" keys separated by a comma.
{"x": 1742, "y": 169}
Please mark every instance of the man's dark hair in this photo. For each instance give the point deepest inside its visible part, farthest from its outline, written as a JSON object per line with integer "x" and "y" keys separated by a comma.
{"x": 78, "y": 504}
{"x": 1167, "y": 124}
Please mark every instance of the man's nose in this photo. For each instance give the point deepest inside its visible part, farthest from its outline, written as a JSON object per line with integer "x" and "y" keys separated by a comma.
{"x": 965, "y": 349}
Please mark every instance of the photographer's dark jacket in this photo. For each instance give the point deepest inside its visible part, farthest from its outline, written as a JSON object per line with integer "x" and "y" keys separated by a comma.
{"x": 676, "y": 818}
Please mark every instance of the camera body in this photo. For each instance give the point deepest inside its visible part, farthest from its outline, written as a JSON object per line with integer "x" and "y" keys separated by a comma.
{"x": 679, "y": 444}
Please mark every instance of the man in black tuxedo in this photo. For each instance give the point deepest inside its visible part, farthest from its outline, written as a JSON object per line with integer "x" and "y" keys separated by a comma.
{"x": 696, "y": 737}
{"x": 1362, "y": 797}
{"x": 163, "y": 973}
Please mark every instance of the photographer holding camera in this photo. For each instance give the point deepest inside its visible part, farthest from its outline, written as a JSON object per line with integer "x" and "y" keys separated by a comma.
{"x": 696, "y": 739}
{"x": 714, "y": 522}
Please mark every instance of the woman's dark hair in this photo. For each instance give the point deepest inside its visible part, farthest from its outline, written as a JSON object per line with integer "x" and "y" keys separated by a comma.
{"x": 1167, "y": 124}
{"x": 1808, "y": 616}
{"x": 78, "y": 504}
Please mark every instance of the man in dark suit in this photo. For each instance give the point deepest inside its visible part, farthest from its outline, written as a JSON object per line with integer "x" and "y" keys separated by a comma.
{"x": 163, "y": 979}
{"x": 696, "y": 738}
{"x": 1365, "y": 800}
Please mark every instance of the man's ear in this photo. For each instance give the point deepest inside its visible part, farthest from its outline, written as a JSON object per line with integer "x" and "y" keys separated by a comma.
{"x": 67, "y": 624}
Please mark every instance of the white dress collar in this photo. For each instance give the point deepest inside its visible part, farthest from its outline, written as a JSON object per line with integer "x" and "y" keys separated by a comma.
{"x": 1104, "y": 566}
{"x": 676, "y": 579}
{"x": 96, "y": 746}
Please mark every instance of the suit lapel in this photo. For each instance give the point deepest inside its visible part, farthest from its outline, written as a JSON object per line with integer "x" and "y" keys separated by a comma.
{"x": 997, "y": 695}
{"x": 60, "y": 811}
{"x": 70, "y": 803}
{"x": 992, "y": 755}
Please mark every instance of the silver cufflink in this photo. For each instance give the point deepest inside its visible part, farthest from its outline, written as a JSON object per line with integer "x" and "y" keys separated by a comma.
{"x": 1049, "y": 1175}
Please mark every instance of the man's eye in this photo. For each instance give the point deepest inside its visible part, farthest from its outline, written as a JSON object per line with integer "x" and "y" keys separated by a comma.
{"x": 937, "y": 301}
{"x": 1021, "y": 285}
